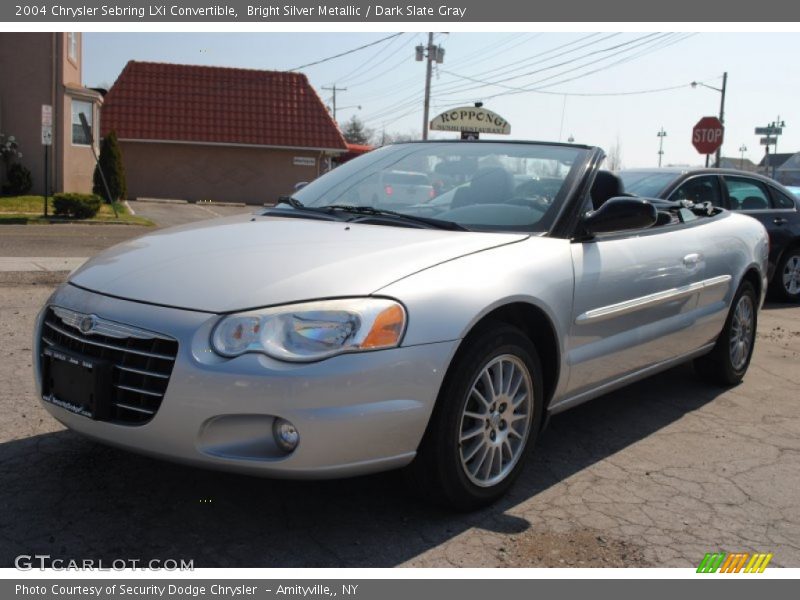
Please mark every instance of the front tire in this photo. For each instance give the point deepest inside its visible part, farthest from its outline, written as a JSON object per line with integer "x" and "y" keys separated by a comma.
{"x": 727, "y": 363}
{"x": 786, "y": 280}
{"x": 488, "y": 413}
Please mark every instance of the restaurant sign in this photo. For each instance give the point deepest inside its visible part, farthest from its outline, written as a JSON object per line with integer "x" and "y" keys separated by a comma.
{"x": 471, "y": 118}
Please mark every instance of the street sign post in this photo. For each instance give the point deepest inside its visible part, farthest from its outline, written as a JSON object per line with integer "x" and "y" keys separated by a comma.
{"x": 707, "y": 136}
{"x": 769, "y": 130}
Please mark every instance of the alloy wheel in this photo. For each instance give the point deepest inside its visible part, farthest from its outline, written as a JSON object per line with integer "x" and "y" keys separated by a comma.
{"x": 791, "y": 275}
{"x": 742, "y": 332}
{"x": 496, "y": 420}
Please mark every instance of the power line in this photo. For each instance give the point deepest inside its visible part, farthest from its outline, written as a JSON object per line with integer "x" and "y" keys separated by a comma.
{"x": 403, "y": 102}
{"x": 498, "y": 82}
{"x": 656, "y": 45}
{"x": 360, "y": 69}
{"x": 526, "y": 62}
{"x": 375, "y": 43}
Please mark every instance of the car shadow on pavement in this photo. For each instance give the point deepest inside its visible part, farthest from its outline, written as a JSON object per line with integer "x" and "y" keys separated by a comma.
{"x": 70, "y": 498}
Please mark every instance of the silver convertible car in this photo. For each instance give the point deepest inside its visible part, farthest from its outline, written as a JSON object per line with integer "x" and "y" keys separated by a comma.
{"x": 325, "y": 337}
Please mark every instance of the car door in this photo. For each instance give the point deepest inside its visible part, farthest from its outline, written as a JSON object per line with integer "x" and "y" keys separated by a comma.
{"x": 752, "y": 197}
{"x": 636, "y": 294}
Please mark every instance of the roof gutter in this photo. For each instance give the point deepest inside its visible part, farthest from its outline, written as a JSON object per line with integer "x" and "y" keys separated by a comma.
{"x": 232, "y": 145}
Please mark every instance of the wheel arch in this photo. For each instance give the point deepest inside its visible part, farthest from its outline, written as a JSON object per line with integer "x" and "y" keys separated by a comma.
{"x": 537, "y": 325}
{"x": 753, "y": 276}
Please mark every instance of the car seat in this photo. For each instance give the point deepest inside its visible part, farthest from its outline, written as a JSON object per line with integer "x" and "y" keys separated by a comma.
{"x": 753, "y": 203}
{"x": 491, "y": 185}
{"x": 606, "y": 185}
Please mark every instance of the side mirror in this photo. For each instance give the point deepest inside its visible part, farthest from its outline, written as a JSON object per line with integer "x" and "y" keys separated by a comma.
{"x": 300, "y": 185}
{"x": 620, "y": 214}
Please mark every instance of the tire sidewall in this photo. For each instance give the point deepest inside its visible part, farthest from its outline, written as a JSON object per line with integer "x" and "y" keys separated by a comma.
{"x": 745, "y": 289}
{"x": 778, "y": 277}
{"x": 482, "y": 350}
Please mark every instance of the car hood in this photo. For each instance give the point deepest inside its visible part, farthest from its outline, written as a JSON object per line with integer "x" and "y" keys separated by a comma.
{"x": 241, "y": 262}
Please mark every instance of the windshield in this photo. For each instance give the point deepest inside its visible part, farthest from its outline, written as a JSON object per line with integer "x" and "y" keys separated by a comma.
{"x": 484, "y": 186}
{"x": 648, "y": 184}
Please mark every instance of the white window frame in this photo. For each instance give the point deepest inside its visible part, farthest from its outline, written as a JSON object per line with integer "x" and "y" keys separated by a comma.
{"x": 72, "y": 46}
{"x": 90, "y": 116}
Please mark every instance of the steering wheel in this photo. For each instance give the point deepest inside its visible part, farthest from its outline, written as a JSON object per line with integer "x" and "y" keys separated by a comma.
{"x": 539, "y": 202}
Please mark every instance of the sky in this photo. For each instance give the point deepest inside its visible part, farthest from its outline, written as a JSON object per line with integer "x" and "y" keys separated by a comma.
{"x": 549, "y": 86}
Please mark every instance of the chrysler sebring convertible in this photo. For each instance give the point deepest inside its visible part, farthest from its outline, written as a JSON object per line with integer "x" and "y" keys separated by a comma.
{"x": 343, "y": 332}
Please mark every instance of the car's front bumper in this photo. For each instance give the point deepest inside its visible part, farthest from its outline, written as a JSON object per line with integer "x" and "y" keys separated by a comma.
{"x": 355, "y": 413}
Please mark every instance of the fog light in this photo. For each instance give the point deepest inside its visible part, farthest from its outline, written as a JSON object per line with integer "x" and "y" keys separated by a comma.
{"x": 286, "y": 435}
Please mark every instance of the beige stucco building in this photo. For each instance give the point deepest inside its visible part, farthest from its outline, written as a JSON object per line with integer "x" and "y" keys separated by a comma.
{"x": 45, "y": 69}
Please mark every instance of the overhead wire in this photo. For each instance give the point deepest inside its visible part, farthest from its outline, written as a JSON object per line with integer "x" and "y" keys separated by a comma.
{"x": 329, "y": 58}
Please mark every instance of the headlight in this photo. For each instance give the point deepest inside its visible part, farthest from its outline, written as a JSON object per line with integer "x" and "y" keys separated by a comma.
{"x": 312, "y": 331}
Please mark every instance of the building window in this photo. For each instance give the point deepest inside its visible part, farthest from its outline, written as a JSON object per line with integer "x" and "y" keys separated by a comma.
{"x": 72, "y": 46}
{"x": 78, "y": 135}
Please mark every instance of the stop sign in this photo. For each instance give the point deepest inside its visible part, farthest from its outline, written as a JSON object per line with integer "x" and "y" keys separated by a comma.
{"x": 707, "y": 135}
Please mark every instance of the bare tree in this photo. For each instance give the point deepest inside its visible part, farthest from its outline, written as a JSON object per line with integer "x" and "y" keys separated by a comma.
{"x": 381, "y": 138}
{"x": 614, "y": 156}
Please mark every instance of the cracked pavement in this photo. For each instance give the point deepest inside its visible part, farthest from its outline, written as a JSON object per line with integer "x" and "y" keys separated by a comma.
{"x": 656, "y": 474}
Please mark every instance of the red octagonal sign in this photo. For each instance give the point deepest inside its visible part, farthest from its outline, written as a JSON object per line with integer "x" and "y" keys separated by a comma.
{"x": 707, "y": 135}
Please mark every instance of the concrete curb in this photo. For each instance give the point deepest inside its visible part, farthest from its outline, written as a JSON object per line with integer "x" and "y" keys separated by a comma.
{"x": 37, "y": 269}
{"x": 33, "y": 277}
{"x": 215, "y": 203}
{"x": 162, "y": 200}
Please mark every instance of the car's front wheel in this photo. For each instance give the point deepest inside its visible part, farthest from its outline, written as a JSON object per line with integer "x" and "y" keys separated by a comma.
{"x": 786, "y": 280}
{"x": 487, "y": 415}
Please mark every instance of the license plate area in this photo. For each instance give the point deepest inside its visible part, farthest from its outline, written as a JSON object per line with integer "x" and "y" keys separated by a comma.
{"x": 76, "y": 383}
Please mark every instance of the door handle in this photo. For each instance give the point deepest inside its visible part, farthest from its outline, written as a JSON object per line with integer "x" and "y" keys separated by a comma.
{"x": 780, "y": 221}
{"x": 690, "y": 260}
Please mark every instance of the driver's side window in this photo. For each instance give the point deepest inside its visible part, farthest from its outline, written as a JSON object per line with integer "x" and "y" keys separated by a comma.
{"x": 699, "y": 189}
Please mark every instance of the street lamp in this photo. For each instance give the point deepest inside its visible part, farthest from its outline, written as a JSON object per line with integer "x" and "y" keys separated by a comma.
{"x": 742, "y": 149}
{"x": 570, "y": 139}
{"x": 661, "y": 135}
{"x": 721, "y": 104}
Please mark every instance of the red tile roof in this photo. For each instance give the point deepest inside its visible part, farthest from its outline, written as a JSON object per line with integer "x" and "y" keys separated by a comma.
{"x": 185, "y": 103}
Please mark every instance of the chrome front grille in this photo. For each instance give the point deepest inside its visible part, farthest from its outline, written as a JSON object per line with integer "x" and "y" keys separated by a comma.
{"x": 142, "y": 361}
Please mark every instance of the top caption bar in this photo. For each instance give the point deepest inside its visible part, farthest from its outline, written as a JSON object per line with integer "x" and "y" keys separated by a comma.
{"x": 467, "y": 11}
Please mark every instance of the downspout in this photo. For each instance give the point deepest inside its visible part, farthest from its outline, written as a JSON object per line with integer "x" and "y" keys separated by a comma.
{"x": 57, "y": 125}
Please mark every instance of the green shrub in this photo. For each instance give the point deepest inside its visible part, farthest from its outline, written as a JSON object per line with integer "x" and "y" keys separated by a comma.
{"x": 111, "y": 163}
{"x": 19, "y": 181}
{"x": 76, "y": 206}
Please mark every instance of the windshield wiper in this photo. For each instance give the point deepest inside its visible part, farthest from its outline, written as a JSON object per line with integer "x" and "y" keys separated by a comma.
{"x": 301, "y": 210}
{"x": 381, "y": 212}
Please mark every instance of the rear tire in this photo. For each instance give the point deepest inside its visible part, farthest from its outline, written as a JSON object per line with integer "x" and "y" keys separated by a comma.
{"x": 786, "y": 280}
{"x": 488, "y": 414}
{"x": 727, "y": 363}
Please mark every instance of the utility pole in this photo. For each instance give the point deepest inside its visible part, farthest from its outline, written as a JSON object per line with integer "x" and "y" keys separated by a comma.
{"x": 661, "y": 135}
{"x": 430, "y": 54}
{"x": 742, "y": 149}
{"x": 334, "y": 89}
{"x": 722, "y": 91}
{"x": 722, "y": 112}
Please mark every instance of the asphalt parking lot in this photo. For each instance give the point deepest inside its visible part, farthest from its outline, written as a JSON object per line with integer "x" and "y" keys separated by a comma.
{"x": 87, "y": 240}
{"x": 657, "y": 474}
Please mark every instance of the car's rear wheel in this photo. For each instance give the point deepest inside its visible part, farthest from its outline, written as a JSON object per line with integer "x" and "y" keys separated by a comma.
{"x": 488, "y": 413}
{"x": 786, "y": 280}
{"x": 727, "y": 363}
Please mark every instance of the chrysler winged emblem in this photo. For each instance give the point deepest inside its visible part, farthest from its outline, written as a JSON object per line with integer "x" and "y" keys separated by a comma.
{"x": 87, "y": 323}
